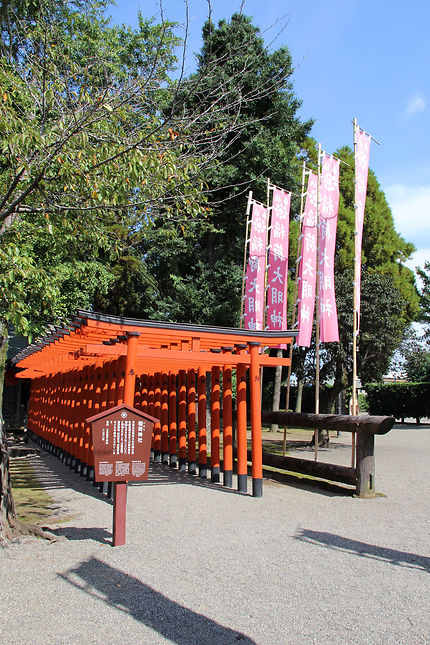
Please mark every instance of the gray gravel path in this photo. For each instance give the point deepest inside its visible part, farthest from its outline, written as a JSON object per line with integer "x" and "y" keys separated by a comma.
{"x": 203, "y": 565}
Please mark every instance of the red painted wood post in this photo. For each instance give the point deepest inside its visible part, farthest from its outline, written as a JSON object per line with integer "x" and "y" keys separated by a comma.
{"x": 104, "y": 385}
{"x": 86, "y": 407}
{"x": 46, "y": 396}
{"x": 227, "y": 425}
{"x": 68, "y": 415}
{"x": 191, "y": 421}
{"x": 97, "y": 396}
{"x": 164, "y": 418}
{"x": 215, "y": 424}
{"x": 111, "y": 395}
{"x": 173, "y": 459}
{"x": 201, "y": 421}
{"x": 144, "y": 393}
{"x": 120, "y": 499}
{"x": 32, "y": 407}
{"x": 182, "y": 420}
{"x": 150, "y": 410}
{"x": 59, "y": 415}
{"x": 120, "y": 380}
{"x": 242, "y": 447}
{"x": 89, "y": 409}
{"x": 53, "y": 431}
{"x": 57, "y": 427}
{"x": 46, "y": 405}
{"x": 72, "y": 411}
{"x": 256, "y": 437}
{"x": 138, "y": 394}
{"x": 130, "y": 368}
{"x": 77, "y": 416}
{"x": 157, "y": 415}
{"x": 50, "y": 433}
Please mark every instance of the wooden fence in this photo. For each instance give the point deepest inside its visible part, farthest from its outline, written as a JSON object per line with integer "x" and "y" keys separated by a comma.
{"x": 364, "y": 427}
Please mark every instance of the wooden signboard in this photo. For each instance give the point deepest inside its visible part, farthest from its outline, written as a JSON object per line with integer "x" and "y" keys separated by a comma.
{"x": 122, "y": 444}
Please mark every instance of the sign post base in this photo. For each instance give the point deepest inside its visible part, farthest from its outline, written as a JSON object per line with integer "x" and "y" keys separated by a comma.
{"x": 119, "y": 513}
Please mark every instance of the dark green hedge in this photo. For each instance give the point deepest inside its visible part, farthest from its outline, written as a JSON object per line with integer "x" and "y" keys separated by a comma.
{"x": 399, "y": 400}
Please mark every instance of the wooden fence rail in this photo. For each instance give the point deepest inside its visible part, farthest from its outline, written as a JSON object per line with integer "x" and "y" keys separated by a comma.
{"x": 365, "y": 427}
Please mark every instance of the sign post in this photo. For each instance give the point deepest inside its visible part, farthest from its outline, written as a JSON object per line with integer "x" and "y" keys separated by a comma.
{"x": 122, "y": 446}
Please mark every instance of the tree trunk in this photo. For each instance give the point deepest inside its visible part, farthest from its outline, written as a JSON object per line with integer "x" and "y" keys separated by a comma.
{"x": 298, "y": 406}
{"x": 277, "y": 390}
{"x": 8, "y": 520}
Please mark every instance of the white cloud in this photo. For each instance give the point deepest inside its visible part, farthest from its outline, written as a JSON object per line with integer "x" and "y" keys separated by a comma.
{"x": 415, "y": 104}
{"x": 411, "y": 211}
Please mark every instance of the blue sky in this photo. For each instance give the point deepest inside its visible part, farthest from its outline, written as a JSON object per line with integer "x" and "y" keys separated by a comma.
{"x": 368, "y": 59}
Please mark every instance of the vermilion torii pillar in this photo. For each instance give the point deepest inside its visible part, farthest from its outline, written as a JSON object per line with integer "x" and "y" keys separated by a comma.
{"x": 182, "y": 420}
{"x": 65, "y": 367}
{"x": 227, "y": 423}
{"x": 256, "y": 438}
{"x": 191, "y": 421}
{"x": 242, "y": 448}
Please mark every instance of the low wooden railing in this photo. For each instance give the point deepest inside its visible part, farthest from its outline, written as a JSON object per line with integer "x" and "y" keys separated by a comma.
{"x": 362, "y": 476}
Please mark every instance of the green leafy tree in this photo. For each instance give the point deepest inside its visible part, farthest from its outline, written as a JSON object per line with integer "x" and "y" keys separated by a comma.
{"x": 417, "y": 366}
{"x": 424, "y": 275}
{"x": 414, "y": 353}
{"x": 96, "y": 152}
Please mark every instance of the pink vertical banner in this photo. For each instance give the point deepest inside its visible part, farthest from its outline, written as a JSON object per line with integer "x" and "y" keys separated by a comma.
{"x": 255, "y": 270}
{"x": 362, "y": 152}
{"x": 329, "y": 208}
{"x": 308, "y": 265}
{"x": 277, "y": 270}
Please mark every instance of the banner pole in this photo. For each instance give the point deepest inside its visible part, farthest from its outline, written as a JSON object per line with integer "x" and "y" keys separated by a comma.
{"x": 357, "y": 266}
{"x": 248, "y": 209}
{"x": 296, "y": 288}
{"x": 317, "y": 312}
{"x": 266, "y": 269}
{"x": 355, "y": 313}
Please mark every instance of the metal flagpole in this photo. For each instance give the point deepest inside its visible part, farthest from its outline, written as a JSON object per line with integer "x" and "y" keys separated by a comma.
{"x": 296, "y": 285}
{"x": 317, "y": 313}
{"x": 242, "y": 299}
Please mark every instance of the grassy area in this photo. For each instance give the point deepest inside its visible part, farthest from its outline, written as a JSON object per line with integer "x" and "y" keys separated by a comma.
{"x": 33, "y": 504}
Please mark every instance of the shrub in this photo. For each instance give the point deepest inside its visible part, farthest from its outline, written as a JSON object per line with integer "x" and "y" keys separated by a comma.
{"x": 399, "y": 400}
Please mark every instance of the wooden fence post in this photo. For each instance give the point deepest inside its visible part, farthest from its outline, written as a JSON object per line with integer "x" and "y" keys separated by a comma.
{"x": 365, "y": 464}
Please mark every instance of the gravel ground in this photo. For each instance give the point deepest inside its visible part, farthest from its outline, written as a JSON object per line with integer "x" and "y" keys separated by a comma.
{"x": 206, "y": 565}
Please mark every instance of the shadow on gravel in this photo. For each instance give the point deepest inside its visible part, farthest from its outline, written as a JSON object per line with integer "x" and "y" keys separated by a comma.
{"x": 78, "y": 533}
{"x": 312, "y": 484}
{"x": 365, "y": 550}
{"x": 160, "y": 474}
{"x": 131, "y": 596}
{"x": 53, "y": 473}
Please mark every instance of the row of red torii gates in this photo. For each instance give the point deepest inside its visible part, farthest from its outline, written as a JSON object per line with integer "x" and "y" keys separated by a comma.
{"x": 98, "y": 361}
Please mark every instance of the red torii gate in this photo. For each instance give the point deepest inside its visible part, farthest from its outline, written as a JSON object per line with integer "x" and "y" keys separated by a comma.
{"x": 99, "y": 361}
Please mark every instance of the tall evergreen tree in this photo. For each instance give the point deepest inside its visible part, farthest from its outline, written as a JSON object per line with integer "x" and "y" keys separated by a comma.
{"x": 203, "y": 274}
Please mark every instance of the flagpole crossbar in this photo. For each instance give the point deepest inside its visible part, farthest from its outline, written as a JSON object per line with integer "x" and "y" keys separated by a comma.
{"x": 327, "y": 154}
{"x": 354, "y": 121}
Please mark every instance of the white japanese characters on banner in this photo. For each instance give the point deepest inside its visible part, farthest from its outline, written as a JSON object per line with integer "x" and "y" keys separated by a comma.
{"x": 329, "y": 208}
{"x": 277, "y": 271}
{"x": 308, "y": 265}
{"x": 362, "y": 153}
{"x": 254, "y": 280}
